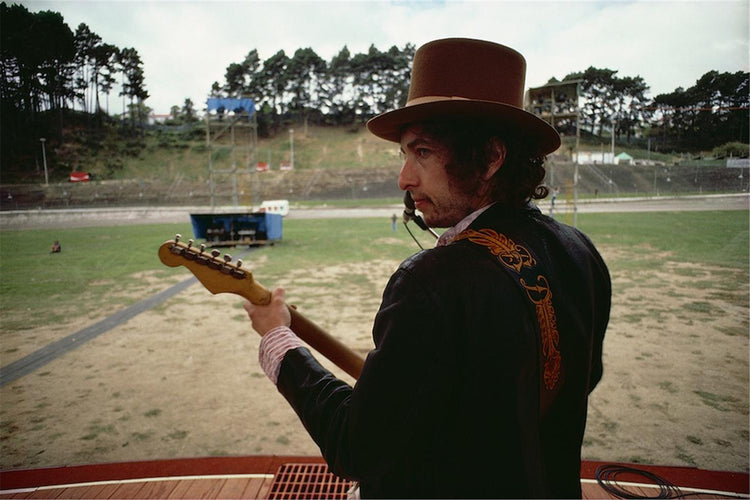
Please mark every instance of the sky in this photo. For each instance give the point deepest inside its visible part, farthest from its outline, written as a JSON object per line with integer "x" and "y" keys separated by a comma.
{"x": 187, "y": 45}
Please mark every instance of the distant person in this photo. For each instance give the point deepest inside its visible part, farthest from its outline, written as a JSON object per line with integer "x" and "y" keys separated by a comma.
{"x": 486, "y": 346}
{"x": 555, "y": 192}
{"x": 393, "y": 221}
{"x": 56, "y": 248}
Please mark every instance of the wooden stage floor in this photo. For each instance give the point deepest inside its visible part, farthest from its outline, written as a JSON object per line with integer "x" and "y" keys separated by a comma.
{"x": 279, "y": 477}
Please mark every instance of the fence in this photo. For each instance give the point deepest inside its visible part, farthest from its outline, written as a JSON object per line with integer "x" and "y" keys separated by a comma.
{"x": 324, "y": 184}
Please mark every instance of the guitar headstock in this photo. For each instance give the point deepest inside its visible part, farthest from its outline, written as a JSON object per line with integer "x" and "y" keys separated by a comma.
{"x": 218, "y": 275}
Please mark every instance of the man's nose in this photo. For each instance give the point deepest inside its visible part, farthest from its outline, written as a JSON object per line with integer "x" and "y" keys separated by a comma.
{"x": 406, "y": 177}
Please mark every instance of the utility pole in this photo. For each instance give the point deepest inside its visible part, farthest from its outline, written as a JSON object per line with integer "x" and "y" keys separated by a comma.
{"x": 291, "y": 146}
{"x": 578, "y": 146}
{"x": 44, "y": 159}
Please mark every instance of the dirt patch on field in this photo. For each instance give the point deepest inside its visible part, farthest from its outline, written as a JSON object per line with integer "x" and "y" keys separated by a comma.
{"x": 182, "y": 379}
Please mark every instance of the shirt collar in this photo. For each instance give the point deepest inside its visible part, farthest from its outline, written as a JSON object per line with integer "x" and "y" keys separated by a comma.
{"x": 450, "y": 234}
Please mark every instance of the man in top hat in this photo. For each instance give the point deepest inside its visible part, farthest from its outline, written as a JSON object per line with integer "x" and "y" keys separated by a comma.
{"x": 486, "y": 346}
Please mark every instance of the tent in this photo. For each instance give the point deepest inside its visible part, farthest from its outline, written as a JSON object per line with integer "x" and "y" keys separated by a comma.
{"x": 624, "y": 158}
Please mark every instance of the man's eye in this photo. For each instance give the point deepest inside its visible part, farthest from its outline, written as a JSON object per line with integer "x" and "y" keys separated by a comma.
{"x": 423, "y": 152}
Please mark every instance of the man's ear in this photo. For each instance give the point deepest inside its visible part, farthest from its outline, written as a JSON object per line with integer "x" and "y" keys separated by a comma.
{"x": 498, "y": 158}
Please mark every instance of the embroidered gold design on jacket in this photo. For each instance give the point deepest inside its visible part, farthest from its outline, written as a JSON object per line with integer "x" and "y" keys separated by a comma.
{"x": 513, "y": 256}
{"x": 517, "y": 257}
{"x": 541, "y": 295}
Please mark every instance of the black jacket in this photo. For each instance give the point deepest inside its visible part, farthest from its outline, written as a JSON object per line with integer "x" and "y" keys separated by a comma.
{"x": 449, "y": 401}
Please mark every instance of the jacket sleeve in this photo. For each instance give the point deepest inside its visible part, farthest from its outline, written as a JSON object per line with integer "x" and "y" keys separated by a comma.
{"x": 602, "y": 293}
{"x": 360, "y": 429}
{"x": 599, "y": 282}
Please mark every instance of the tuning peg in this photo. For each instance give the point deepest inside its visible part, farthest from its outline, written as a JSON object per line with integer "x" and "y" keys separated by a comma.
{"x": 177, "y": 237}
{"x": 227, "y": 258}
{"x": 239, "y": 262}
{"x": 190, "y": 243}
{"x": 203, "y": 247}
{"x": 215, "y": 253}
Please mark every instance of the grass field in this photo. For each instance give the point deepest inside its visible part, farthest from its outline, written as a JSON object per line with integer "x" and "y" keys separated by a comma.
{"x": 181, "y": 379}
{"x": 101, "y": 268}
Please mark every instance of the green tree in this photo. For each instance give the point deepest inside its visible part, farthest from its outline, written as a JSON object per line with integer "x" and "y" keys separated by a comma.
{"x": 174, "y": 114}
{"x": 630, "y": 105}
{"x": 85, "y": 41}
{"x": 241, "y": 78}
{"x": 382, "y": 79}
{"x": 398, "y": 77}
{"x": 133, "y": 86}
{"x": 367, "y": 70}
{"x": 37, "y": 50}
{"x": 598, "y": 92}
{"x": 58, "y": 51}
{"x": 107, "y": 56}
{"x": 36, "y": 56}
{"x": 304, "y": 74}
{"x": 347, "y": 89}
{"x": 103, "y": 57}
{"x": 188, "y": 111}
{"x": 236, "y": 79}
{"x": 338, "y": 89}
{"x": 94, "y": 69}
{"x": 252, "y": 64}
{"x": 712, "y": 112}
{"x": 274, "y": 78}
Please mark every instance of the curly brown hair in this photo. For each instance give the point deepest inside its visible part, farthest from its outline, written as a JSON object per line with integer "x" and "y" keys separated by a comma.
{"x": 470, "y": 145}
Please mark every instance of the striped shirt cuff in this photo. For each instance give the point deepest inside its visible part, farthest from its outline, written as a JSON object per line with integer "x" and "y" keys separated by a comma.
{"x": 273, "y": 346}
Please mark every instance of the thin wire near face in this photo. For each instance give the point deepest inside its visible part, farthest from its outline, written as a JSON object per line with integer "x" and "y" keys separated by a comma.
{"x": 406, "y": 225}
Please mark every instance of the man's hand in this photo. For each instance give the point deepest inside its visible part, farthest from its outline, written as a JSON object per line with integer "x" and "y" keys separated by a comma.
{"x": 266, "y": 318}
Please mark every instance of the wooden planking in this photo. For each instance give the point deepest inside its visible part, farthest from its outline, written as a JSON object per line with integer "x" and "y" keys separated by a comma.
{"x": 594, "y": 491}
{"x": 252, "y": 477}
{"x": 147, "y": 469}
{"x": 243, "y": 487}
{"x": 13, "y": 495}
{"x": 88, "y": 491}
{"x": 93, "y": 491}
{"x": 256, "y": 486}
{"x": 236, "y": 488}
{"x": 45, "y": 494}
{"x": 148, "y": 489}
{"x": 199, "y": 488}
{"x": 129, "y": 490}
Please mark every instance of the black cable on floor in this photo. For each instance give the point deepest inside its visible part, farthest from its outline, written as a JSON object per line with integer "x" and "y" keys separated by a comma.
{"x": 606, "y": 476}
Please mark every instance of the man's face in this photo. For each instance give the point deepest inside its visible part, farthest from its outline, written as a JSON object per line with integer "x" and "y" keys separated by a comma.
{"x": 423, "y": 174}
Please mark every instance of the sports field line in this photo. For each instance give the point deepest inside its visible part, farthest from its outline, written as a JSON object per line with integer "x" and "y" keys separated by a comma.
{"x": 52, "y": 351}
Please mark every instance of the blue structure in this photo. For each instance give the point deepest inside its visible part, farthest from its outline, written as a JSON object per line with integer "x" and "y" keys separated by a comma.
{"x": 231, "y": 229}
{"x": 229, "y": 104}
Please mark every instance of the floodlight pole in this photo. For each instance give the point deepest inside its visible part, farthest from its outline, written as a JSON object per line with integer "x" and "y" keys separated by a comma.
{"x": 578, "y": 152}
{"x": 44, "y": 160}
{"x": 291, "y": 146}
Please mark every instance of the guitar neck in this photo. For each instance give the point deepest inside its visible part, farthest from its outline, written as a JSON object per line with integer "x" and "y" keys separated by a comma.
{"x": 327, "y": 345}
{"x": 223, "y": 276}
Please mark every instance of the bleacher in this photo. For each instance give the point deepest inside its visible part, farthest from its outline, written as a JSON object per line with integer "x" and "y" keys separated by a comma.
{"x": 358, "y": 183}
{"x": 648, "y": 180}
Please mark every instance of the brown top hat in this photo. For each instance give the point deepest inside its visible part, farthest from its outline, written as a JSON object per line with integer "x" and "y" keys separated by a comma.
{"x": 470, "y": 78}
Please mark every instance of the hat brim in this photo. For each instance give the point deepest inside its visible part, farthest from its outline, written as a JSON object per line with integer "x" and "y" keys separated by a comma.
{"x": 390, "y": 125}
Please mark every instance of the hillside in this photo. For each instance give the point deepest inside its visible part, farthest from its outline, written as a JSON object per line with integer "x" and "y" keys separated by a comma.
{"x": 169, "y": 166}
